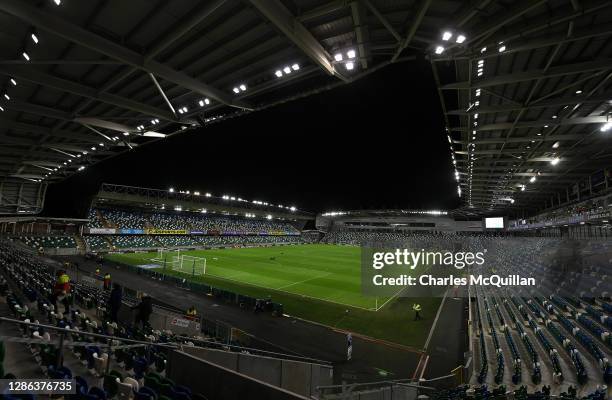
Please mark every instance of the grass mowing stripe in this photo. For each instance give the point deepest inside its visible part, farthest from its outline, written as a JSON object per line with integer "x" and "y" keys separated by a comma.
{"x": 334, "y": 299}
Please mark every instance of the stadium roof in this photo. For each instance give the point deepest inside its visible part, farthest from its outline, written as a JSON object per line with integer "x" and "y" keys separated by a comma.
{"x": 85, "y": 81}
{"x": 528, "y": 113}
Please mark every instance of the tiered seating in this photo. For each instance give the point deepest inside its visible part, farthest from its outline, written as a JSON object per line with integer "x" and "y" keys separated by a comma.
{"x": 136, "y": 372}
{"x": 168, "y": 221}
{"x": 516, "y": 358}
{"x": 46, "y": 242}
{"x": 94, "y": 219}
{"x": 484, "y": 361}
{"x": 536, "y": 375}
{"x": 178, "y": 240}
{"x": 134, "y": 241}
{"x": 125, "y": 219}
{"x": 499, "y": 376}
{"x": 96, "y": 242}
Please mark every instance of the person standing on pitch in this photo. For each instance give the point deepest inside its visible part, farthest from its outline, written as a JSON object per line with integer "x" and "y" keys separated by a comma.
{"x": 349, "y": 346}
{"x": 417, "y": 310}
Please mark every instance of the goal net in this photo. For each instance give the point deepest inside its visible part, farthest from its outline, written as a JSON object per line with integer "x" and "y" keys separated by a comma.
{"x": 167, "y": 258}
{"x": 192, "y": 265}
{"x": 175, "y": 261}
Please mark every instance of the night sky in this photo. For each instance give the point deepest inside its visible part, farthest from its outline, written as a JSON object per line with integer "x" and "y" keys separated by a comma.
{"x": 376, "y": 143}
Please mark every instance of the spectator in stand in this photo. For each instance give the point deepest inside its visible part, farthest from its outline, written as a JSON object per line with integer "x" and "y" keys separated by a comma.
{"x": 114, "y": 301}
{"x": 144, "y": 309}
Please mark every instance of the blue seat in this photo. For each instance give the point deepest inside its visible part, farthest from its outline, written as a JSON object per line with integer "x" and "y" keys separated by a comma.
{"x": 147, "y": 393}
{"x": 81, "y": 383}
{"x": 97, "y": 393}
{"x": 179, "y": 395}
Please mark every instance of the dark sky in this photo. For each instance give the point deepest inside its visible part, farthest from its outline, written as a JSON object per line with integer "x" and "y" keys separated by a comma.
{"x": 376, "y": 143}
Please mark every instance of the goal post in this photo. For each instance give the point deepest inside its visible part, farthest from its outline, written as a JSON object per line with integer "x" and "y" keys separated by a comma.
{"x": 167, "y": 258}
{"x": 177, "y": 262}
{"x": 195, "y": 266}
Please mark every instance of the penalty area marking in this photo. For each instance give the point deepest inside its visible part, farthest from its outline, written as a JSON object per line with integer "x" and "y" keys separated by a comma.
{"x": 305, "y": 280}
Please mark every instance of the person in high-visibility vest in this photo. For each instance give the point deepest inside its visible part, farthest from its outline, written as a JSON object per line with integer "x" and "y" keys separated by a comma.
{"x": 61, "y": 290}
{"x": 417, "y": 310}
{"x": 107, "y": 281}
{"x": 192, "y": 313}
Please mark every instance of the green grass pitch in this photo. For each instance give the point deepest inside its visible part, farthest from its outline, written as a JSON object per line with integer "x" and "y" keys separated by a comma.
{"x": 315, "y": 282}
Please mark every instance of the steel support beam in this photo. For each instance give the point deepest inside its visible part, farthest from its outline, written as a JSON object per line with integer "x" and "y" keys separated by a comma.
{"x": 64, "y": 85}
{"x": 414, "y": 25}
{"x": 74, "y": 33}
{"x": 562, "y": 70}
{"x": 275, "y": 12}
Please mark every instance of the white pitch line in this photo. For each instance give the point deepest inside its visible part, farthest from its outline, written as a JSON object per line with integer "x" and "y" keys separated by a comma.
{"x": 433, "y": 326}
{"x": 391, "y": 298}
{"x": 305, "y": 280}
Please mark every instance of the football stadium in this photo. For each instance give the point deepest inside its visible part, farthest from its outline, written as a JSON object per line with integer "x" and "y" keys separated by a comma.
{"x": 306, "y": 199}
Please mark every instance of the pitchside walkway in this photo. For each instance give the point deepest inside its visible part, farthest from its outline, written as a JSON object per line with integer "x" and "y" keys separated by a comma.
{"x": 371, "y": 360}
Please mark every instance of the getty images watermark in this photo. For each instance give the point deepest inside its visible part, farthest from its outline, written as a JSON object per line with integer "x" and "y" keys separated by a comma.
{"x": 387, "y": 271}
{"x": 428, "y": 265}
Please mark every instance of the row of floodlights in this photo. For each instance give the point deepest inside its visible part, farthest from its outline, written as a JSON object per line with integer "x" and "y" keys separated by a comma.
{"x": 232, "y": 198}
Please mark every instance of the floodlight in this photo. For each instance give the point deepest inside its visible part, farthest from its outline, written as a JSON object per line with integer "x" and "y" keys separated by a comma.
{"x": 171, "y": 190}
{"x": 578, "y": 91}
{"x": 292, "y": 208}
{"x": 14, "y": 82}
{"x": 278, "y": 73}
{"x": 57, "y": 2}
{"x": 81, "y": 168}
{"x": 532, "y": 179}
{"x": 26, "y": 56}
{"x": 35, "y": 38}
{"x": 606, "y": 127}
{"x": 439, "y": 50}
{"x": 350, "y": 53}
{"x": 236, "y": 90}
{"x": 243, "y": 87}
{"x": 154, "y": 134}
{"x": 295, "y": 67}
{"x": 287, "y": 70}
{"x": 349, "y": 65}
{"x": 555, "y": 161}
{"x": 447, "y": 35}
{"x": 201, "y": 103}
{"x": 460, "y": 39}
{"x": 207, "y": 101}
{"x": 268, "y": 216}
{"x": 208, "y": 195}
{"x": 556, "y": 144}
{"x": 6, "y": 96}
{"x": 483, "y": 49}
{"x": 338, "y": 57}
{"x": 502, "y": 49}
{"x": 1, "y": 108}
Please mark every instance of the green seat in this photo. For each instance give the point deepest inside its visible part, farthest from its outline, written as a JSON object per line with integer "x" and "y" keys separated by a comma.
{"x": 110, "y": 385}
{"x": 117, "y": 374}
{"x": 151, "y": 381}
{"x": 164, "y": 388}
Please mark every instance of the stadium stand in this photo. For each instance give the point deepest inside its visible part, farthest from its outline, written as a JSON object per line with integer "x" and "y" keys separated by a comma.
{"x": 48, "y": 241}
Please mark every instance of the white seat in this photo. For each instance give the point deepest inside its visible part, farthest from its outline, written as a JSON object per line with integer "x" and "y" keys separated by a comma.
{"x": 132, "y": 382}
{"x": 125, "y": 390}
{"x": 100, "y": 363}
